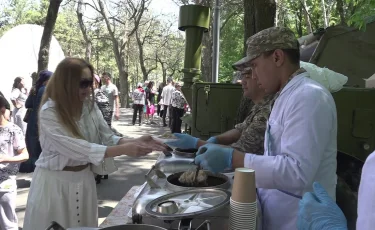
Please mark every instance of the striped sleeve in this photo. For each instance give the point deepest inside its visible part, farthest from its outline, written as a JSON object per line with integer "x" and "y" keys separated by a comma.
{"x": 56, "y": 138}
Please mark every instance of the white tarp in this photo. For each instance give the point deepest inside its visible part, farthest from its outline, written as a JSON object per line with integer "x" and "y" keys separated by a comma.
{"x": 370, "y": 82}
{"x": 19, "y": 48}
{"x": 332, "y": 80}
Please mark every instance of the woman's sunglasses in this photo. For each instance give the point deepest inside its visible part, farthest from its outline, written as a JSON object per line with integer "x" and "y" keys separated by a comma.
{"x": 83, "y": 84}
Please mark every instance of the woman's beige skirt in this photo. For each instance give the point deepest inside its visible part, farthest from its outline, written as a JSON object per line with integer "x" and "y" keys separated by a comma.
{"x": 69, "y": 198}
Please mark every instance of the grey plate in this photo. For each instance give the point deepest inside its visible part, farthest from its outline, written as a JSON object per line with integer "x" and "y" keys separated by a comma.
{"x": 191, "y": 203}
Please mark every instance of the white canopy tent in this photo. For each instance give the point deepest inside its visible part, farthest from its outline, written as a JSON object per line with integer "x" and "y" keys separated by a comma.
{"x": 19, "y": 48}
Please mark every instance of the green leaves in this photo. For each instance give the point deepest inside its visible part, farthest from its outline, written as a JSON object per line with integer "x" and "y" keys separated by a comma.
{"x": 231, "y": 47}
{"x": 362, "y": 13}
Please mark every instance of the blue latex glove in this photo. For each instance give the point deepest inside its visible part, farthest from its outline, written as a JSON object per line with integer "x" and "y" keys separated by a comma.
{"x": 212, "y": 140}
{"x": 214, "y": 158}
{"x": 317, "y": 211}
{"x": 184, "y": 141}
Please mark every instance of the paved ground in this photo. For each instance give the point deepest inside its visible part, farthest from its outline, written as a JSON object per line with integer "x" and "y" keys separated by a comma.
{"x": 130, "y": 172}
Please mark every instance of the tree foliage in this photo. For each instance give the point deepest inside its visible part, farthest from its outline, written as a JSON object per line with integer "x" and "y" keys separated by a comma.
{"x": 163, "y": 46}
{"x": 154, "y": 49}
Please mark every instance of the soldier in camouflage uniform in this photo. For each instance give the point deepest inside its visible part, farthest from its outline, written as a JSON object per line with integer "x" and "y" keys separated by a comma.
{"x": 244, "y": 109}
{"x": 246, "y": 103}
{"x": 247, "y": 136}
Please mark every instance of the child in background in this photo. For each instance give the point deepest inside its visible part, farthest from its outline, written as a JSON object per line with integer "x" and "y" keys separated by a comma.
{"x": 12, "y": 152}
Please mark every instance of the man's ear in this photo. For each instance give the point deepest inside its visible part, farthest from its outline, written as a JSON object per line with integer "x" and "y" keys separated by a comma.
{"x": 279, "y": 57}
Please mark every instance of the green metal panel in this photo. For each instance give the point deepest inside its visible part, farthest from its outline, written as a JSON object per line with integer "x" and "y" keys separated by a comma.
{"x": 348, "y": 51}
{"x": 214, "y": 108}
{"x": 356, "y": 120}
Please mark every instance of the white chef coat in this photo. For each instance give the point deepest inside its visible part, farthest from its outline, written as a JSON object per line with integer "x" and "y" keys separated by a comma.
{"x": 366, "y": 196}
{"x": 300, "y": 148}
{"x": 60, "y": 149}
{"x": 167, "y": 94}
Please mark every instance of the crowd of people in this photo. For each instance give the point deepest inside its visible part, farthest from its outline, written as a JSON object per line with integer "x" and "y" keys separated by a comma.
{"x": 69, "y": 133}
{"x": 289, "y": 138}
{"x": 170, "y": 103}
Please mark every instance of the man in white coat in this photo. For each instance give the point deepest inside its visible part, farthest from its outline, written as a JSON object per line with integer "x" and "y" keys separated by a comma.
{"x": 301, "y": 137}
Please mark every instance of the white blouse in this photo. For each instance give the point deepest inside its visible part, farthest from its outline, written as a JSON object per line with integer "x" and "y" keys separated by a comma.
{"x": 60, "y": 148}
{"x": 19, "y": 96}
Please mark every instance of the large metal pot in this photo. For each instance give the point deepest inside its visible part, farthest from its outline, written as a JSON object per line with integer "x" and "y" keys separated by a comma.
{"x": 214, "y": 180}
{"x": 173, "y": 165}
{"x": 134, "y": 227}
{"x": 55, "y": 226}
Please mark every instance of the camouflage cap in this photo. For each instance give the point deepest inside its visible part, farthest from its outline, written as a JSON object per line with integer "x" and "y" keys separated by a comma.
{"x": 267, "y": 40}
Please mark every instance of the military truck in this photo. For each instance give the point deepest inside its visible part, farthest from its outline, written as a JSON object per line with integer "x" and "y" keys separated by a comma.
{"x": 342, "y": 49}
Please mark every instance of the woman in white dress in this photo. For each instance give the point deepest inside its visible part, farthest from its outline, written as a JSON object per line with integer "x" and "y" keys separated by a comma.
{"x": 18, "y": 98}
{"x": 73, "y": 135}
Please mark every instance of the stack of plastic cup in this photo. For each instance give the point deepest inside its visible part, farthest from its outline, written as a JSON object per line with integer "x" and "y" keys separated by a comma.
{"x": 243, "y": 204}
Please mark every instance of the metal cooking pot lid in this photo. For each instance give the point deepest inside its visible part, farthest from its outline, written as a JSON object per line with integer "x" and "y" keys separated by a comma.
{"x": 190, "y": 203}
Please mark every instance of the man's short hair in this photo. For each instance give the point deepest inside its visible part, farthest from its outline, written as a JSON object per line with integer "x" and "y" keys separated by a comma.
{"x": 169, "y": 79}
{"x": 107, "y": 74}
{"x": 292, "y": 54}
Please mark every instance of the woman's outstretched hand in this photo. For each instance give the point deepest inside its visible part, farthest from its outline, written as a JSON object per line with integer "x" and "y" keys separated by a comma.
{"x": 135, "y": 147}
{"x": 138, "y": 149}
{"x": 148, "y": 140}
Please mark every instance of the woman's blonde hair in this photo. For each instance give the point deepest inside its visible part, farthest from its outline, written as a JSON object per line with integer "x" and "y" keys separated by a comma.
{"x": 63, "y": 89}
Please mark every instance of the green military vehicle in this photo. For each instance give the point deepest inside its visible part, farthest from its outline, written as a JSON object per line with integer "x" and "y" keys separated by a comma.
{"x": 342, "y": 49}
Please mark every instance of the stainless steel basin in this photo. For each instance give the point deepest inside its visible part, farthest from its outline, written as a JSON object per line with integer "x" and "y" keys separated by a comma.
{"x": 174, "y": 164}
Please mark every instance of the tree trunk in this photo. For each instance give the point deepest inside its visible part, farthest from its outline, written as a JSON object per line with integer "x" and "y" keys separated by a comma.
{"x": 340, "y": 10}
{"x": 280, "y": 13}
{"x": 164, "y": 75}
{"x": 207, "y": 56}
{"x": 120, "y": 57}
{"x": 124, "y": 89}
{"x": 265, "y": 14}
{"x": 125, "y": 96}
{"x": 299, "y": 21}
{"x": 43, "y": 57}
{"x": 278, "y": 3}
{"x": 324, "y": 14}
{"x": 141, "y": 57}
{"x": 249, "y": 22}
{"x": 163, "y": 69}
{"x": 307, "y": 17}
{"x": 207, "y": 49}
{"x": 258, "y": 15}
{"x": 140, "y": 44}
{"x": 84, "y": 31}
